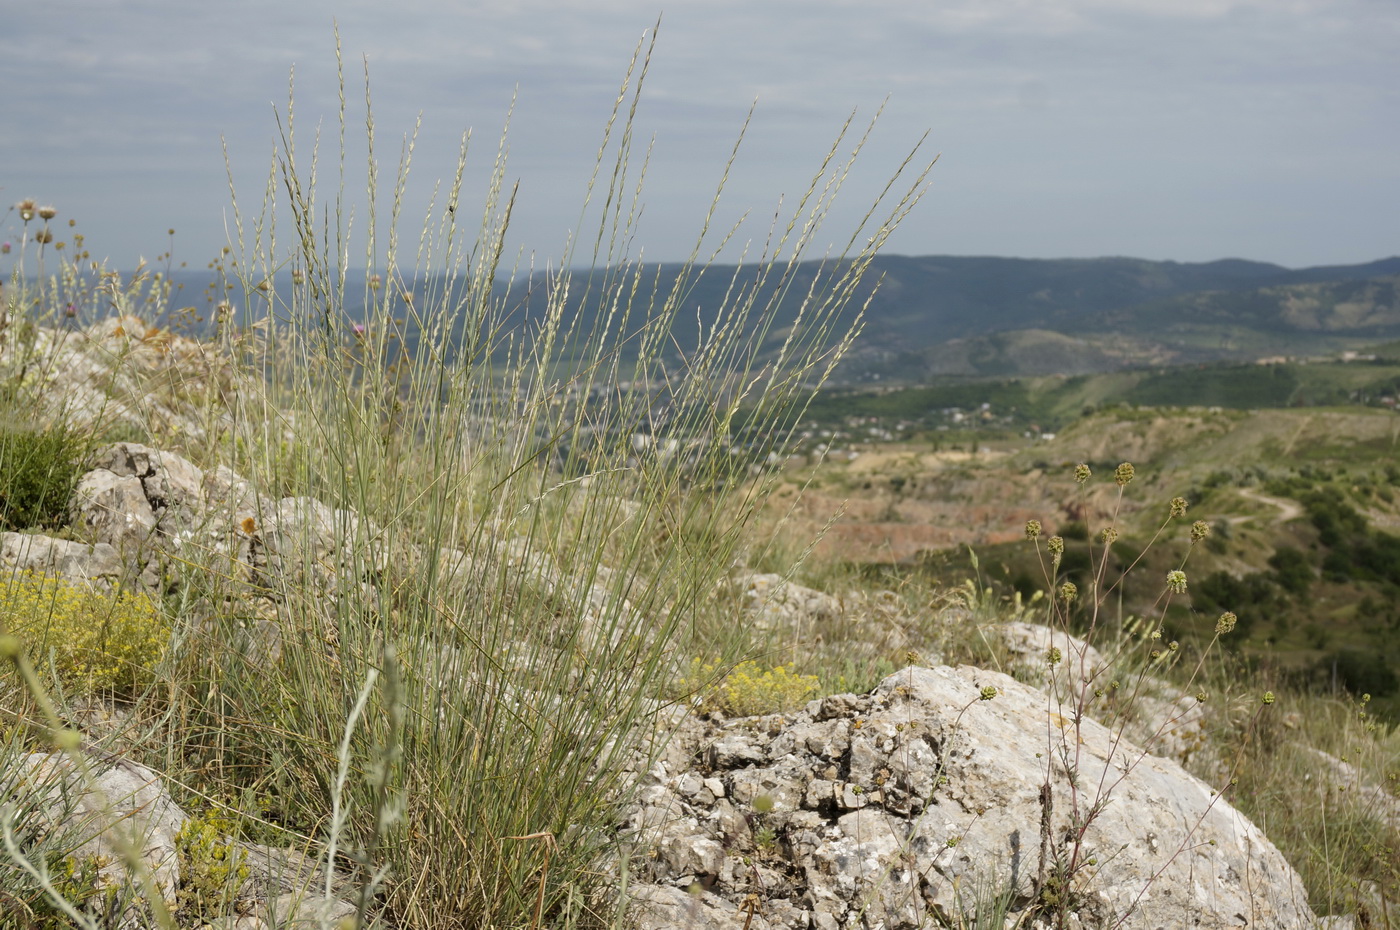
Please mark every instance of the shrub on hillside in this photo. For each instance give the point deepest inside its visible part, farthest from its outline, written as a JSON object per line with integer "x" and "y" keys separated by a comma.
{"x": 1292, "y": 570}
{"x": 1358, "y": 672}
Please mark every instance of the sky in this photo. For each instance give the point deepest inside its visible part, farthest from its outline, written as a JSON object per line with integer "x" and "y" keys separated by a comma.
{"x": 1188, "y": 130}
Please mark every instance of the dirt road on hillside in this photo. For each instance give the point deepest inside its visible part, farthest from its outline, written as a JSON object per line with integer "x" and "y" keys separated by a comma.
{"x": 1287, "y": 509}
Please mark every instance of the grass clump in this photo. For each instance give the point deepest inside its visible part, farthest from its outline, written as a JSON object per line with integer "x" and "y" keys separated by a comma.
{"x": 94, "y": 641}
{"x": 500, "y": 525}
{"x": 530, "y": 518}
{"x": 38, "y": 471}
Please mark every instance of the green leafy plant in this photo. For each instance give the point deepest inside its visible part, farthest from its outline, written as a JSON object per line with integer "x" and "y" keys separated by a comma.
{"x": 75, "y": 879}
{"x": 212, "y": 865}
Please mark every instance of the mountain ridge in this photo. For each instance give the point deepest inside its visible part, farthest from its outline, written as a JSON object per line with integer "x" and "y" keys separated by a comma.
{"x": 938, "y": 314}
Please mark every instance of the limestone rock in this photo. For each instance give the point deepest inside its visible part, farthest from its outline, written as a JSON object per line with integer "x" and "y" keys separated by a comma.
{"x": 885, "y": 810}
{"x": 659, "y": 907}
{"x": 1028, "y": 644}
{"x": 120, "y": 371}
{"x": 97, "y": 563}
{"x": 297, "y": 911}
{"x": 773, "y": 601}
{"x": 854, "y": 624}
{"x": 122, "y": 806}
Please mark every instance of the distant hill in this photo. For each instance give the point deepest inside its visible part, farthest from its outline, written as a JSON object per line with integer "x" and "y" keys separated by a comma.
{"x": 968, "y": 315}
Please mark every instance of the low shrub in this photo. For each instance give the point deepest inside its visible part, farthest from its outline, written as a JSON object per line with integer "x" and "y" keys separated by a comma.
{"x": 748, "y": 689}
{"x": 212, "y": 864}
{"x": 93, "y": 640}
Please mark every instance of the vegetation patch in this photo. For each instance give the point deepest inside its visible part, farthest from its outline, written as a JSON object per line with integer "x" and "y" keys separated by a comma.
{"x": 93, "y": 640}
{"x": 749, "y": 689}
{"x": 38, "y": 471}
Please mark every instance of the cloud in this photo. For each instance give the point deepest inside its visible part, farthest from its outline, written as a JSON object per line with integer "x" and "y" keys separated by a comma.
{"x": 1161, "y": 106}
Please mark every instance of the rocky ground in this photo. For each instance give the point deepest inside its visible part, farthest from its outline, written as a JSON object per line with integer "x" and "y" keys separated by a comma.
{"x": 942, "y": 792}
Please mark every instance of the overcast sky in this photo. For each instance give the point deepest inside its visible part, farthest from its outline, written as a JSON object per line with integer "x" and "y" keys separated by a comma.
{"x": 1167, "y": 129}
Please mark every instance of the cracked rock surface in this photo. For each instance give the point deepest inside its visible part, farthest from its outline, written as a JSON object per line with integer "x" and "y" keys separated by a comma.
{"x": 891, "y": 809}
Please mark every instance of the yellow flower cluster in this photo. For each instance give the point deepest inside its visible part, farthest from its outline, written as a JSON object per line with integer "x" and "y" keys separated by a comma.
{"x": 98, "y": 641}
{"x": 749, "y": 689}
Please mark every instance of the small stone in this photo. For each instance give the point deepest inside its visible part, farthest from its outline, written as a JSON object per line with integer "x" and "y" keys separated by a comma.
{"x": 689, "y": 785}
{"x": 735, "y": 750}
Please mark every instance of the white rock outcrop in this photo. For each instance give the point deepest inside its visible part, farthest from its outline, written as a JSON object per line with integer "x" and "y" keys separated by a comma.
{"x": 891, "y": 809}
